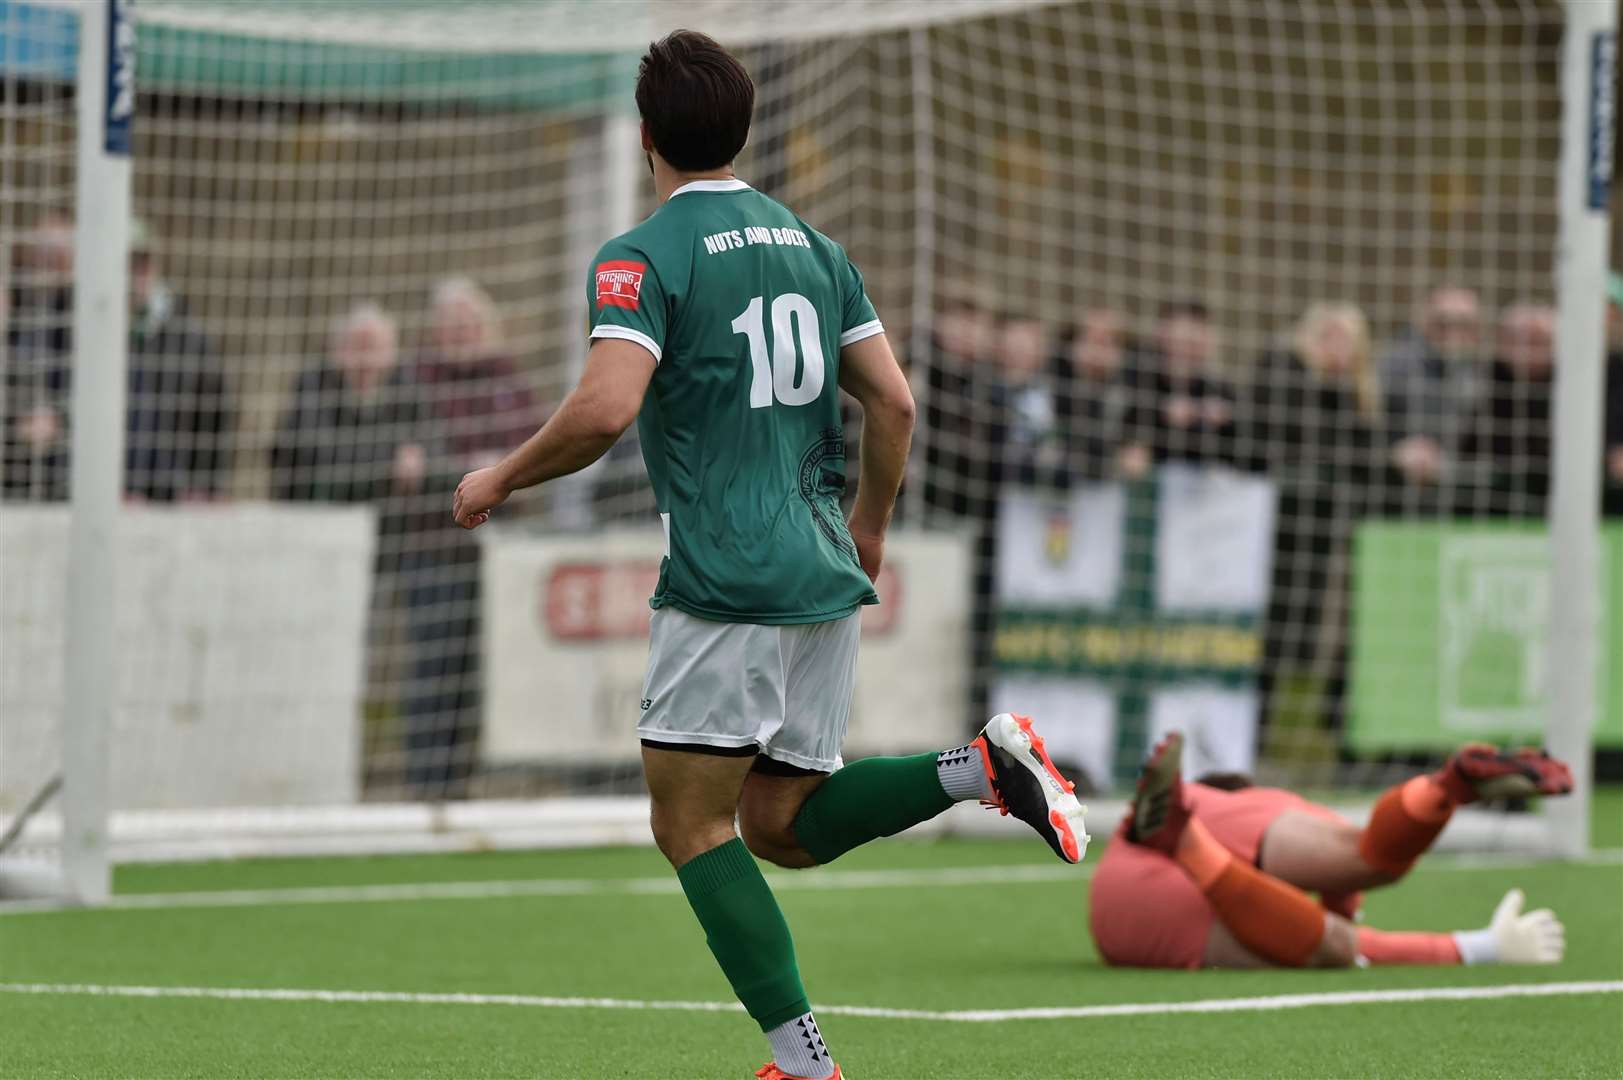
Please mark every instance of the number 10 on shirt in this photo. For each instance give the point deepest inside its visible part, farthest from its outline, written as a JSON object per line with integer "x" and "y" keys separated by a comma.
{"x": 794, "y": 319}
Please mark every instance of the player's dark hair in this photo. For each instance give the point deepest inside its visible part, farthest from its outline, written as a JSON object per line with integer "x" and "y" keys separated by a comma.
{"x": 1227, "y": 781}
{"x": 696, "y": 100}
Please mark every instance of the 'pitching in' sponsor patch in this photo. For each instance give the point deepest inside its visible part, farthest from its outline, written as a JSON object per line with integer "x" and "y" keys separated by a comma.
{"x": 619, "y": 283}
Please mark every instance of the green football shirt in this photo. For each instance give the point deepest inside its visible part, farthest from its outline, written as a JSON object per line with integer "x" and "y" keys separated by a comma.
{"x": 745, "y": 307}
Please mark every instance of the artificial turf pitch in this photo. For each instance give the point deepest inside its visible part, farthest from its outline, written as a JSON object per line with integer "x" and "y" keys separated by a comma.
{"x": 888, "y": 930}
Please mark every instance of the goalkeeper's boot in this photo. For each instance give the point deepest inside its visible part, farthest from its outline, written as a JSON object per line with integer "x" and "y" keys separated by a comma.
{"x": 770, "y": 1071}
{"x": 1478, "y": 772}
{"x": 1159, "y": 812}
{"x": 1025, "y": 783}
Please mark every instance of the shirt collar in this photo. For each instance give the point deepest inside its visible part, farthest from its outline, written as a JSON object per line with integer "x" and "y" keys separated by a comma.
{"x": 730, "y": 184}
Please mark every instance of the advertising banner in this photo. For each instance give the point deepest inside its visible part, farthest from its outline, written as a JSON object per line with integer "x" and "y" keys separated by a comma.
{"x": 1449, "y": 625}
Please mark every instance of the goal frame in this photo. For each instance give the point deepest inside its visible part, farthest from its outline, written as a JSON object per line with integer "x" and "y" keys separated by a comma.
{"x": 100, "y": 324}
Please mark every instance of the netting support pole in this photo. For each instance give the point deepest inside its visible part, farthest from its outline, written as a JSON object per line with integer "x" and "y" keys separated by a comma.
{"x": 922, "y": 313}
{"x": 626, "y": 168}
{"x": 106, "y": 106}
{"x": 1587, "y": 68}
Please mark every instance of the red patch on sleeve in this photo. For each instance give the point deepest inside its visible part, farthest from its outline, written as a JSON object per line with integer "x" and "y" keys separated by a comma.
{"x": 619, "y": 283}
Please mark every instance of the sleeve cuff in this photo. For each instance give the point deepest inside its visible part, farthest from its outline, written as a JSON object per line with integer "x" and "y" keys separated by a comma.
{"x": 626, "y": 333}
{"x": 857, "y": 333}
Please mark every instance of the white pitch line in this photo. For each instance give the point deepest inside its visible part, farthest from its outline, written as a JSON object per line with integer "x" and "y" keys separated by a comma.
{"x": 967, "y": 1016}
{"x": 1250, "y": 1004}
{"x": 821, "y": 880}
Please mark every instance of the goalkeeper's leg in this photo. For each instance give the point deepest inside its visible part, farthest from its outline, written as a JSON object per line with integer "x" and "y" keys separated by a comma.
{"x": 1334, "y": 858}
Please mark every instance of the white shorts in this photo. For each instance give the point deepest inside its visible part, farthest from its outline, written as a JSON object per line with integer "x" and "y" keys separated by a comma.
{"x": 781, "y": 691}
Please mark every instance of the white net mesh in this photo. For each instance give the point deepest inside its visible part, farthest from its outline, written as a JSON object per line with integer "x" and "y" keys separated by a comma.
{"x": 1165, "y": 275}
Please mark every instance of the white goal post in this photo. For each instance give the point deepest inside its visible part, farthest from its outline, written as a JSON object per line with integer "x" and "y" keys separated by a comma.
{"x": 1588, "y": 133}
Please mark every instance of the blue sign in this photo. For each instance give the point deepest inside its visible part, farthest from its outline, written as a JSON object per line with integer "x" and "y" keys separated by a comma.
{"x": 1602, "y": 116}
{"x": 120, "y": 115}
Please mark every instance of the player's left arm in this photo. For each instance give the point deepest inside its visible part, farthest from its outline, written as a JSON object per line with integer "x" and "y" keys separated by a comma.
{"x": 869, "y": 373}
{"x": 589, "y": 421}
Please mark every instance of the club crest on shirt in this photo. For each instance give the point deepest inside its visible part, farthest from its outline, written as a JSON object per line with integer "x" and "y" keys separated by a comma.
{"x": 619, "y": 283}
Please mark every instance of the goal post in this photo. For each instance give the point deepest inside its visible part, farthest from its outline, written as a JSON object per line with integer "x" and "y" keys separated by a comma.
{"x": 1164, "y": 275}
{"x": 106, "y": 114}
{"x": 1588, "y": 134}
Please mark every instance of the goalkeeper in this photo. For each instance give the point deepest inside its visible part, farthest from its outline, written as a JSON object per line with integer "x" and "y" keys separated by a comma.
{"x": 1199, "y": 876}
{"x": 728, "y": 327}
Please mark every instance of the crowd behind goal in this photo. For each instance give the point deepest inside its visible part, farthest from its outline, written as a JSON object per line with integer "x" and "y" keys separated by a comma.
{"x": 1449, "y": 418}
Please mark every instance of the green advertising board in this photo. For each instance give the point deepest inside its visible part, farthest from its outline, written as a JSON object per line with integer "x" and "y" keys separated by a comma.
{"x": 1449, "y": 631}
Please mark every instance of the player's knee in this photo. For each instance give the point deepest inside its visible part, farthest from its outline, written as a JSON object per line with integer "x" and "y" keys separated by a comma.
{"x": 682, "y": 835}
{"x": 774, "y": 843}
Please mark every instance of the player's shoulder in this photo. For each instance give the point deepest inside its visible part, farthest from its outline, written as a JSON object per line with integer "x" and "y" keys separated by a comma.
{"x": 645, "y": 238}
{"x": 648, "y": 251}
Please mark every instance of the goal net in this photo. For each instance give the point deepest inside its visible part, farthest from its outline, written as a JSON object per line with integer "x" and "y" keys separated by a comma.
{"x": 1231, "y": 326}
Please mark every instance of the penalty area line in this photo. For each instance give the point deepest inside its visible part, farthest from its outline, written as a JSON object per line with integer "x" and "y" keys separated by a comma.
{"x": 967, "y": 1016}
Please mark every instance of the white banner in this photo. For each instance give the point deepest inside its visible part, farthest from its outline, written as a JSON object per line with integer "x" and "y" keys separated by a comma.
{"x": 1061, "y": 549}
{"x": 1214, "y": 540}
{"x": 240, "y": 632}
{"x": 566, "y": 642}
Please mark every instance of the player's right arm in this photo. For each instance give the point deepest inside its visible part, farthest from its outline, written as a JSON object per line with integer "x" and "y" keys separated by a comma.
{"x": 589, "y": 421}
{"x": 628, "y": 310}
{"x": 869, "y": 373}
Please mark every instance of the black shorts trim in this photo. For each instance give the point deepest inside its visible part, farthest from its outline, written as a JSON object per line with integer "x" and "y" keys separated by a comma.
{"x": 747, "y": 750}
{"x": 764, "y": 765}
{"x": 767, "y": 766}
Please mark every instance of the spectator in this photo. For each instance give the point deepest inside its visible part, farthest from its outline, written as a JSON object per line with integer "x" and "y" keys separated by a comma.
{"x": 1311, "y": 423}
{"x": 179, "y": 421}
{"x": 959, "y": 412}
{"x": 350, "y": 432}
{"x": 1026, "y": 437}
{"x": 1094, "y": 396}
{"x": 1512, "y": 425}
{"x": 1612, "y": 477}
{"x": 1434, "y": 380}
{"x": 1183, "y": 411}
{"x": 38, "y": 326}
{"x": 479, "y": 404}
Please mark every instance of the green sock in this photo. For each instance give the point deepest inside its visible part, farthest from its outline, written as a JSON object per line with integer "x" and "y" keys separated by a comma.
{"x": 746, "y": 932}
{"x": 868, "y": 799}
